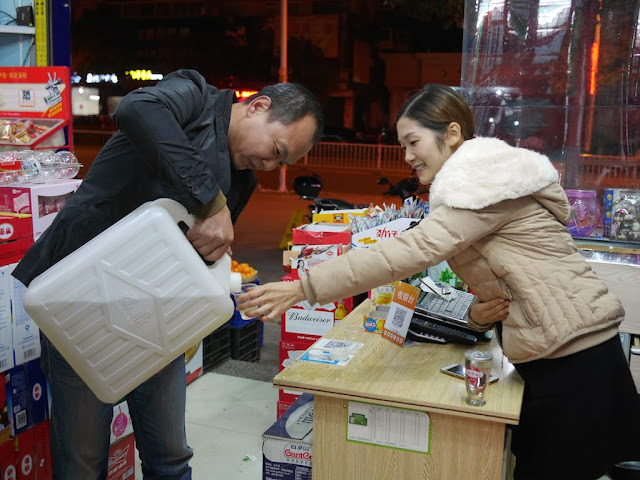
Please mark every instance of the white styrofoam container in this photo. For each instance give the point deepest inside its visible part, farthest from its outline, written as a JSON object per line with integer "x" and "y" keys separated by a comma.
{"x": 131, "y": 300}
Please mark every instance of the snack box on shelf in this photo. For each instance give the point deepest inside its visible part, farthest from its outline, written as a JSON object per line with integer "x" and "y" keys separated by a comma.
{"x": 383, "y": 232}
{"x": 40, "y": 200}
{"x": 322, "y": 233}
{"x": 338, "y": 216}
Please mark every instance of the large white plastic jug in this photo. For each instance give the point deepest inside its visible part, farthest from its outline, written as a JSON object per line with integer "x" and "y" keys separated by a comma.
{"x": 131, "y": 300}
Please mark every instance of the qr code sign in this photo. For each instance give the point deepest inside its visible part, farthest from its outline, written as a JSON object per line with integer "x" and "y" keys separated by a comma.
{"x": 399, "y": 317}
{"x": 27, "y": 98}
{"x": 336, "y": 344}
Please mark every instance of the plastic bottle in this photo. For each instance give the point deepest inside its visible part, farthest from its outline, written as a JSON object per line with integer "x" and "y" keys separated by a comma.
{"x": 131, "y": 300}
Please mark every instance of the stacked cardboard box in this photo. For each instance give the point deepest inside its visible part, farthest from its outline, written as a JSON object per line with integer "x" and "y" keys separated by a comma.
{"x": 303, "y": 324}
{"x": 25, "y": 212}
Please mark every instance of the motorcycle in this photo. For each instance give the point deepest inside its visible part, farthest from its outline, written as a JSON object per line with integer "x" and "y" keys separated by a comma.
{"x": 405, "y": 188}
{"x": 308, "y": 187}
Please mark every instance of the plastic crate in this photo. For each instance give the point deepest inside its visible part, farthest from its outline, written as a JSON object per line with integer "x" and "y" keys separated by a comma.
{"x": 246, "y": 341}
{"x": 216, "y": 348}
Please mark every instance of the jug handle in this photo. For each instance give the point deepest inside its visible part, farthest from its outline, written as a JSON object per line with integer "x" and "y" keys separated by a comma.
{"x": 177, "y": 211}
{"x": 180, "y": 214}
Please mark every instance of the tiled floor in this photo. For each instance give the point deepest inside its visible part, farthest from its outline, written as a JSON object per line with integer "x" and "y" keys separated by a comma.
{"x": 226, "y": 417}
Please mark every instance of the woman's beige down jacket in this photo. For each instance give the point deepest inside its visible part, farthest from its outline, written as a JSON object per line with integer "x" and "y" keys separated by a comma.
{"x": 498, "y": 217}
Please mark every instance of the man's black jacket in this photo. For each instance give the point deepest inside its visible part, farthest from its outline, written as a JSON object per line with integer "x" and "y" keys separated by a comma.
{"x": 171, "y": 142}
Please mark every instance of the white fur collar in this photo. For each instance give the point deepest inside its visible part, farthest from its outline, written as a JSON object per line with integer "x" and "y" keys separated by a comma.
{"x": 485, "y": 171}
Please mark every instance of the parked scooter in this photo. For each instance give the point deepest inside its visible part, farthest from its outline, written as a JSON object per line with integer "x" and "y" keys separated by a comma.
{"x": 405, "y": 188}
{"x": 308, "y": 187}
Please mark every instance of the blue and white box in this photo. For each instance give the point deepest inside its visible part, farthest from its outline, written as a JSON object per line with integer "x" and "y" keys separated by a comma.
{"x": 287, "y": 444}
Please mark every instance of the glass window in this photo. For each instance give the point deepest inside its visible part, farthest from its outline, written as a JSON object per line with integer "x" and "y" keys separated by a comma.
{"x": 562, "y": 77}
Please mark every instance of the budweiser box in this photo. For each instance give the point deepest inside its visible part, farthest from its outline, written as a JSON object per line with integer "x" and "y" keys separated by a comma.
{"x": 307, "y": 323}
{"x": 287, "y": 444}
{"x": 122, "y": 455}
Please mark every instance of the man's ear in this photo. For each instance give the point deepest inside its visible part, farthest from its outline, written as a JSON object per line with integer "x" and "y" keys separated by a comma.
{"x": 454, "y": 135}
{"x": 259, "y": 104}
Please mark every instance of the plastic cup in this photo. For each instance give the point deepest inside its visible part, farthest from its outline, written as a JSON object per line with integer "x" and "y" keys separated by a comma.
{"x": 352, "y": 332}
{"x": 245, "y": 314}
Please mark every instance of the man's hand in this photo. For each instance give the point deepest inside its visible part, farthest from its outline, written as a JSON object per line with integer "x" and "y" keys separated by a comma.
{"x": 212, "y": 236}
{"x": 492, "y": 311}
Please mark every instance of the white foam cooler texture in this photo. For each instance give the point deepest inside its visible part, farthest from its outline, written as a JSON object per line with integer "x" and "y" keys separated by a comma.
{"x": 130, "y": 301}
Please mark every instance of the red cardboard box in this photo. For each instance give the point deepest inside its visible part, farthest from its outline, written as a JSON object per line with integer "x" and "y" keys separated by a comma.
{"x": 122, "y": 459}
{"x": 41, "y": 200}
{"x": 290, "y": 351}
{"x": 43, "y": 451}
{"x": 300, "y": 324}
{"x": 8, "y": 460}
{"x": 25, "y": 456}
{"x": 12, "y": 252}
{"x": 14, "y": 226}
{"x": 282, "y": 407}
{"x": 322, "y": 233}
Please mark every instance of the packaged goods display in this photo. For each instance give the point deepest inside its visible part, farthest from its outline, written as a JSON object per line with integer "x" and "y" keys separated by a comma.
{"x": 22, "y": 131}
{"x": 29, "y": 166}
{"x": 622, "y": 214}
{"x": 587, "y": 212}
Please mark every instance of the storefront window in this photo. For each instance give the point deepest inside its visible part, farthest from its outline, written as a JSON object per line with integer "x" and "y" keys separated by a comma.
{"x": 562, "y": 77}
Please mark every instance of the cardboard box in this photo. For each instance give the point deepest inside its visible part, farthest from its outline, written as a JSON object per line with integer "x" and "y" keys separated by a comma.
{"x": 383, "y": 232}
{"x": 26, "y": 334}
{"x": 5, "y": 421}
{"x": 287, "y": 450}
{"x": 27, "y": 398}
{"x": 6, "y": 327}
{"x": 306, "y": 323}
{"x": 283, "y": 407}
{"x": 14, "y": 226}
{"x": 290, "y": 351}
{"x": 121, "y": 424}
{"x": 122, "y": 459}
{"x": 321, "y": 233}
{"x": 41, "y": 200}
{"x": 43, "y": 451}
{"x": 194, "y": 360}
{"x": 338, "y": 216}
{"x": 12, "y": 252}
{"x": 8, "y": 460}
{"x": 25, "y": 456}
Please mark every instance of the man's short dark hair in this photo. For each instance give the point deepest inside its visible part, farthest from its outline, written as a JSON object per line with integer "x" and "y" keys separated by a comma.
{"x": 291, "y": 102}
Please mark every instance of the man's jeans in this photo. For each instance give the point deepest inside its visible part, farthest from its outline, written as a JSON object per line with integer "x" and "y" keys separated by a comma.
{"x": 80, "y": 423}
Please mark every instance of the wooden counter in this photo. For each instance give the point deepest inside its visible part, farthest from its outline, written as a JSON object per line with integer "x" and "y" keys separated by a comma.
{"x": 467, "y": 442}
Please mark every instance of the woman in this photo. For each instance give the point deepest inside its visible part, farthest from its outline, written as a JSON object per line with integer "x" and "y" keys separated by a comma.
{"x": 498, "y": 215}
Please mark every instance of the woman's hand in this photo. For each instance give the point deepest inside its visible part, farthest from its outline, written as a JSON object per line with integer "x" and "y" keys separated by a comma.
{"x": 492, "y": 311}
{"x": 272, "y": 299}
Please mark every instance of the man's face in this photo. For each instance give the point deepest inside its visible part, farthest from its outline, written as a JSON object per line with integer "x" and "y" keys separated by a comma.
{"x": 257, "y": 144}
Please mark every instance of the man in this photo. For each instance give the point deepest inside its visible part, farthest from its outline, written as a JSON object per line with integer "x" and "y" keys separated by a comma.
{"x": 186, "y": 140}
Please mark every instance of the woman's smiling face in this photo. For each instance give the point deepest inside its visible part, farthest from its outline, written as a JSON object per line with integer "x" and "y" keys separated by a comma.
{"x": 421, "y": 149}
